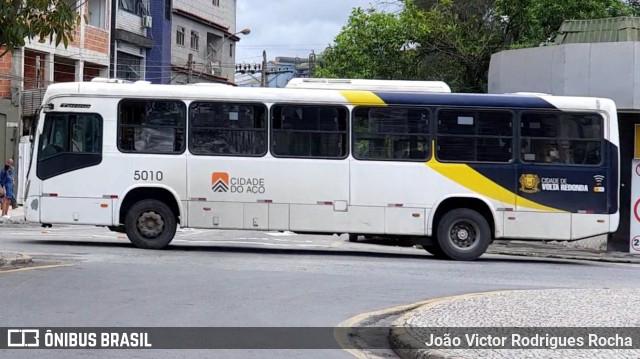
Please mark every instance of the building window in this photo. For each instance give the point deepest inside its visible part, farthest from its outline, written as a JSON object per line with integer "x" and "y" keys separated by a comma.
{"x": 150, "y": 126}
{"x": 227, "y": 129}
{"x": 230, "y": 50}
{"x": 129, "y": 67}
{"x": 97, "y": 13}
{"x": 549, "y": 137}
{"x": 466, "y": 135}
{"x": 195, "y": 40}
{"x": 137, "y": 7}
{"x": 180, "y": 36}
{"x": 216, "y": 2}
{"x": 391, "y": 133}
{"x": 312, "y": 131}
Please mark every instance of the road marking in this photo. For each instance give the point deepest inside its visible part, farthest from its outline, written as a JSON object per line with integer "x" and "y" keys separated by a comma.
{"x": 36, "y": 267}
{"x": 192, "y": 233}
{"x": 248, "y": 242}
{"x": 345, "y": 342}
{"x": 336, "y": 244}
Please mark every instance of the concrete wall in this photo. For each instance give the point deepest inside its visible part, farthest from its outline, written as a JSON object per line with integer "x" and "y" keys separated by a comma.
{"x": 224, "y": 15}
{"x": 607, "y": 70}
{"x": 9, "y": 119}
{"x": 131, "y": 22}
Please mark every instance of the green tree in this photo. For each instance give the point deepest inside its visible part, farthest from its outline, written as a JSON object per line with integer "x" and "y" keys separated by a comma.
{"x": 22, "y": 20}
{"x": 461, "y": 38}
{"x": 532, "y": 22}
{"x": 373, "y": 45}
{"x": 451, "y": 40}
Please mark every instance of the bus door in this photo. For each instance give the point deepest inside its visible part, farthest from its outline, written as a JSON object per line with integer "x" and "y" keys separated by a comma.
{"x": 69, "y": 151}
{"x": 561, "y": 178}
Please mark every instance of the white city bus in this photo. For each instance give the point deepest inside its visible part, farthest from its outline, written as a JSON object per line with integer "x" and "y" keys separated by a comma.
{"x": 451, "y": 171}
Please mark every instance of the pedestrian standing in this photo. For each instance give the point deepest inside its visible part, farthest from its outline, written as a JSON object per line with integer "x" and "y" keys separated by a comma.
{"x": 6, "y": 181}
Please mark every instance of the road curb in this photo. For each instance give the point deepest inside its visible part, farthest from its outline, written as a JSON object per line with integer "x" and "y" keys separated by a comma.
{"x": 536, "y": 254}
{"x": 14, "y": 259}
{"x": 407, "y": 346}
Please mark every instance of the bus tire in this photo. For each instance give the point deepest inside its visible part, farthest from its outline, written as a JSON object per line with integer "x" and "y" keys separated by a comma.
{"x": 463, "y": 234}
{"x": 150, "y": 224}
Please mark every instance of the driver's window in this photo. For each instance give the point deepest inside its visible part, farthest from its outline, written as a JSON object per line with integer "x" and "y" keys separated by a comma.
{"x": 70, "y": 133}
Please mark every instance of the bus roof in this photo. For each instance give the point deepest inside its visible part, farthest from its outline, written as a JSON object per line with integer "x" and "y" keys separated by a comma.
{"x": 371, "y": 85}
{"x": 143, "y": 89}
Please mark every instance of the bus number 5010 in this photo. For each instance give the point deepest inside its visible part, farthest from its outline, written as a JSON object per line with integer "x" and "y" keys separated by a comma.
{"x": 148, "y": 176}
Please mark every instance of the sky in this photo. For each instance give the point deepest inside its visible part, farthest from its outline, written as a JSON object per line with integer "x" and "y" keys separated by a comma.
{"x": 292, "y": 27}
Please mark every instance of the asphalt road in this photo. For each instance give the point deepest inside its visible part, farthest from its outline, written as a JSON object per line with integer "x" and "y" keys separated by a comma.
{"x": 239, "y": 279}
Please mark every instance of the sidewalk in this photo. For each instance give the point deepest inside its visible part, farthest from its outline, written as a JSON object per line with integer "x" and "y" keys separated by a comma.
{"x": 14, "y": 259}
{"x": 15, "y": 216}
{"x": 553, "y": 250}
{"x": 8, "y": 259}
{"x": 530, "y": 313}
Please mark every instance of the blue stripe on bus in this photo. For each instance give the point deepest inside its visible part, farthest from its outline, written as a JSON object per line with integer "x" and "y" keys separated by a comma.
{"x": 601, "y": 183}
{"x": 484, "y": 100}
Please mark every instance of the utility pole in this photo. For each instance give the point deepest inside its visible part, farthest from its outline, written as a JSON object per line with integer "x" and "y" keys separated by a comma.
{"x": 312, "y": 63}
{"x": 264, "y": 68}
{"x": 190, "y": 67}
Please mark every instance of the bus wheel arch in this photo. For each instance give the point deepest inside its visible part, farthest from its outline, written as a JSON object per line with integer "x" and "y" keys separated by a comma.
{"x": 459, "y": 222}
{"x": 150, "y": 217}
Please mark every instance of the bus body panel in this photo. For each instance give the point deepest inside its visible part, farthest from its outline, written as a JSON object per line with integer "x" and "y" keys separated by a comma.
{"x": 307, "y": 186}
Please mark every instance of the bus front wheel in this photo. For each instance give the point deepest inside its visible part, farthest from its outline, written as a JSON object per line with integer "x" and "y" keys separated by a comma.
{"x": 463, "y": 234}
{"x": 150, "y": 224}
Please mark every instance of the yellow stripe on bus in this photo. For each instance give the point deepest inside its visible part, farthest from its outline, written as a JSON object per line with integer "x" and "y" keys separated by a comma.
{"x": 466, "y": 176}
{"x": 362, "y": 97}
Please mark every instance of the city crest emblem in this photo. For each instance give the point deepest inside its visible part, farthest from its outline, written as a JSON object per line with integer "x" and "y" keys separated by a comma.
{"x": 529, "y": 183}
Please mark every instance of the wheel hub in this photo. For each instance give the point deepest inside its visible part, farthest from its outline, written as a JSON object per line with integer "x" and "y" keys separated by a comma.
{"x": 150, "y": 224}
{"x": 464, "y": 235}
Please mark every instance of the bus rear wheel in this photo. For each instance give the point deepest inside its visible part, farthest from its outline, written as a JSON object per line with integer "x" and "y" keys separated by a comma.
{"x": 463, "y": 234}
{"x": 150, "y": 224}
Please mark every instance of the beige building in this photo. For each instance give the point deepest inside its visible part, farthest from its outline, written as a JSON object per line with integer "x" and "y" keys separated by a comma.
{"x": 203, "y": 42}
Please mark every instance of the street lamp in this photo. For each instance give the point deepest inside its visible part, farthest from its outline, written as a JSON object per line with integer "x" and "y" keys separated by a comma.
{"x": 245, "y": 31}
{"x": 225, "y": 37}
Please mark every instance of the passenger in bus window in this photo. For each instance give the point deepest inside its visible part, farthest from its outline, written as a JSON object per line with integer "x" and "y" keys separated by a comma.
{"x": 567, "y": 155}
{"x": 552, "y": 155}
